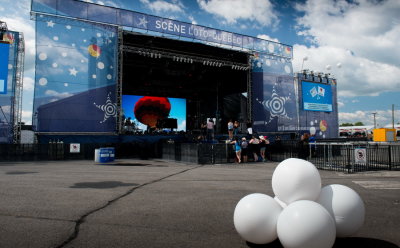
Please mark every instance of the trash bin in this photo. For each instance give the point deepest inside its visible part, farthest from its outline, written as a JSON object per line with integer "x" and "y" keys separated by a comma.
{"x": 104, "y": 155}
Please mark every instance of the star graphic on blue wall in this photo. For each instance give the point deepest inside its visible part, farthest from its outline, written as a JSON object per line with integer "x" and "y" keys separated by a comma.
{"x": 109, "y": 108}
{"x": 73, "y": 71}
{"x": 50, "y": 24}
{"x": 143, "y": 22}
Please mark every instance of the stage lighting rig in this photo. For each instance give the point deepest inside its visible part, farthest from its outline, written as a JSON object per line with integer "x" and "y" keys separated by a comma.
{"x": 3, "y": 29}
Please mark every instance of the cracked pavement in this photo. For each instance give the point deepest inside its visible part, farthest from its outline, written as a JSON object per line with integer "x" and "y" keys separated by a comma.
{"x": 160, "y": 203}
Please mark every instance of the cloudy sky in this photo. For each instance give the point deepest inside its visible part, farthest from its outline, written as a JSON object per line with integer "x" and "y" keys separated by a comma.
{"x": 356, "y": 41}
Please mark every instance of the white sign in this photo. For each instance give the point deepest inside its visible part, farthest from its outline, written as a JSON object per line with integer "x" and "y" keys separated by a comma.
{"x": 360, "y": 155}
{"x": 75, "y": 148}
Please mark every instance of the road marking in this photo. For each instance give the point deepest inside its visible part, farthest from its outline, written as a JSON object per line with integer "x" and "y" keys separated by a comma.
{"x": 379, "y": 184}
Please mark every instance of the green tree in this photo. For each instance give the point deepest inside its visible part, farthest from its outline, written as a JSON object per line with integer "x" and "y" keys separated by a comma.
{"x": 346, "y": 124}
{"x": 358, "y": 123}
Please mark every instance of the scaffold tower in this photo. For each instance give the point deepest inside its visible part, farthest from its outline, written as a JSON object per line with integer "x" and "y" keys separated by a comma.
{"x": 19, "y": 76}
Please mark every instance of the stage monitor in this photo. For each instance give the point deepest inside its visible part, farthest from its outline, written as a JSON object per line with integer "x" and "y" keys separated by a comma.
{"x": 317, "y": 97}
{"x": 4, "y": 51}
{"x": 147, "y": 112}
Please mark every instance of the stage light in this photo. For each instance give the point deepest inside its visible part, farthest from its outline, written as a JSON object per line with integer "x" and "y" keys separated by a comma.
{"x": 191, "y": 61}
{"x": 204, "y": 62}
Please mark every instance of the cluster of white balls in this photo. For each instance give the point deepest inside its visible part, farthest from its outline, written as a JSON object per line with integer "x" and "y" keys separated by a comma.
{"x": 302, "y": 214}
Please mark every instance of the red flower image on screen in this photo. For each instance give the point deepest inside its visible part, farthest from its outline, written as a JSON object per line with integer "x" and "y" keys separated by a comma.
{"x": 149, "y": 109}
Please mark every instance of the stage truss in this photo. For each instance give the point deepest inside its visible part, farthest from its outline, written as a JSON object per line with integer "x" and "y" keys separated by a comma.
{"x": 181, "y": 57}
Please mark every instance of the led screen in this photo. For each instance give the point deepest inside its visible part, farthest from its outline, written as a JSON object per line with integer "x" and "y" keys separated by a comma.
{"x": 148, "y": 111}
{"x": 317, "y": 97}
{"x": 4, "y": 51}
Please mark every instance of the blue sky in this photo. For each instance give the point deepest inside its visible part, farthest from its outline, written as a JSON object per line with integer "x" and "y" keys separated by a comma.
{"x": 356, "y": 41}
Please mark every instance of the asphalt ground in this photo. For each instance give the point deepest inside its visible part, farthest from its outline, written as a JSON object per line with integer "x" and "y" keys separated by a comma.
{"x": 158, "y": 203}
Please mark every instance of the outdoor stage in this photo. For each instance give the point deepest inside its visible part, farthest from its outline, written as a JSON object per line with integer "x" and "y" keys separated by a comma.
{"x": 208, "y": 79}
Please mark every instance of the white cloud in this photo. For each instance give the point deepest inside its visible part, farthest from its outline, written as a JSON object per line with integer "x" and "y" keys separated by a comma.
{"x": 26, "y": 117}
{"x": 370, "y": 29}
{"x": 357, "y": 76}
{"x": 361, "y": 36}
{"x": 29, "y": 84}
{"x": 260, "y": 11}
{"x": 57, "y": 94}
{"x": 382, "y": 117}
{"x": 182, "y": 125}
{"x": 267, "y": 37}
{"x": 159, "y": 6}
{"x": 192, "y": 20}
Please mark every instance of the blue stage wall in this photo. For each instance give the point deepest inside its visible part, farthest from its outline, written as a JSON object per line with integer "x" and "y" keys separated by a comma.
{"x": 321, "y": 121}
{"x": 76, "y": 76}
{"x": 273, "y": 94}
{"x": 124, "y": 16}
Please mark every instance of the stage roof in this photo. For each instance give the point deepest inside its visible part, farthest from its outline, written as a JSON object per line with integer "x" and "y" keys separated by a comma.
{"x": 160, "y": 26}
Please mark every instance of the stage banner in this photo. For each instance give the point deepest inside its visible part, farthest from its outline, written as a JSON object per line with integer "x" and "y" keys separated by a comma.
{"x": 8, "y": 66}
{"x": 316, "y": 97}
{"x": 123, "y": 16}
{"x": 4, "y": 51}
{"x": 76, "y": 76}
{"x": 322, "y": 119}
{"x": 273, "y": 94}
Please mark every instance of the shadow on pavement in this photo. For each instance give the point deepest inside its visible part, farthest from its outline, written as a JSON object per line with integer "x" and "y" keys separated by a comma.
{"x": 102, "y": 185}
{"x": 20, "y": 172}
{"x": 339, "y": 243}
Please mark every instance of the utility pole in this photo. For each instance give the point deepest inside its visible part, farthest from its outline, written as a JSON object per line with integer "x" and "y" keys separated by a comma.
{"x": 374, "y": 119}
{"x": 393, "y": 116}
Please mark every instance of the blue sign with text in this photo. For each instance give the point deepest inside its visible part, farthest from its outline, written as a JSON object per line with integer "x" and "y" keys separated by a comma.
{"x": 4, "y": 51}
{"x": 128, "y": 18}
{"x": 317, "y": 97}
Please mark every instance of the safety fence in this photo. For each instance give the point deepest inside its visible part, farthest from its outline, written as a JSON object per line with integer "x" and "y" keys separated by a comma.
{"x": 344, "y": 157}
{"x": 62, "y": 151}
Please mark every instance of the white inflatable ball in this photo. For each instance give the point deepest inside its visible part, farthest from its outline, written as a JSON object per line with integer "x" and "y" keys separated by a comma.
{"x": 306, "y": 224}
{"x": 255, "y": 218}
{"x": 345, "y": 206}
{"x": 296, "y": 179}
{"x": 281, "y": 203}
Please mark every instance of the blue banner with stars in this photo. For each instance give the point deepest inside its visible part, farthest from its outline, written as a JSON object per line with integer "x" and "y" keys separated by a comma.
{"x": 162, "y": 26}
{"x": 75, "y": 81}
{"x": 274, "y": 98}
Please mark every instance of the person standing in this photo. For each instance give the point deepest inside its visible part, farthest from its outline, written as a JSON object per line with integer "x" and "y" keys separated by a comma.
{"x": 262, "y": 147}
{"x": 236, "y": 128}
{"x": 230, "y": 129}
{"x": 249, "y": 126}
{"x": 303, "y": 147}
{"x": 312, "y": 142}
{"x": 255, "y": 147}
{"x": 245, "y": 149}
{"x": 238, "y": 149}
{"x": 210, "y": 130}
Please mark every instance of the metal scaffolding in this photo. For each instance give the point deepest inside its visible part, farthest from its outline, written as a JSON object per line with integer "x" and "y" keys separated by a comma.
{"x": 17, "y": 87}
{"x": 19, "y": 76}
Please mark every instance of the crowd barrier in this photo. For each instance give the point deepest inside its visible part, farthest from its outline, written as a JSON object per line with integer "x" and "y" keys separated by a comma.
{"x": 344, "y": 157}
